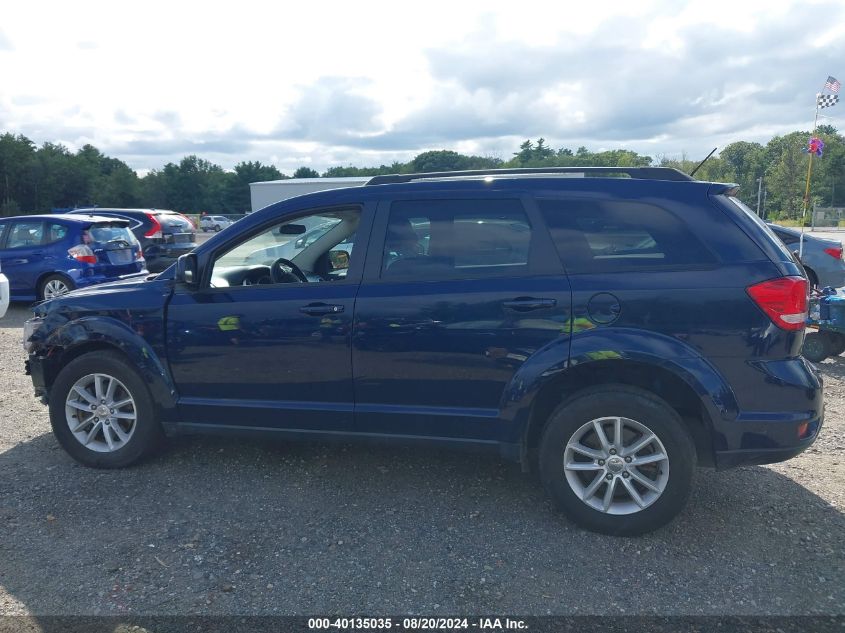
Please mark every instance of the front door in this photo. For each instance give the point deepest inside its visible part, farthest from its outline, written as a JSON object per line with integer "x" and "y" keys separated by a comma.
{"x": 460, "y": 296}
{"x": 265, "y": 343}
{"x": 22, "y": 258}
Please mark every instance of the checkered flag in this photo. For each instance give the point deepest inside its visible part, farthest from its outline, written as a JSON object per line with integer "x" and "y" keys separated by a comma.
{"x": 826, "y": 101}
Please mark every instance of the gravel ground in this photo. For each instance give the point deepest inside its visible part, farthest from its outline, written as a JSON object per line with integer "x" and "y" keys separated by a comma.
{"x": 221, "y": 526}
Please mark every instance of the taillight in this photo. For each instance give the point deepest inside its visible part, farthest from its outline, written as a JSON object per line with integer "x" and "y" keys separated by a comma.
{"x": 83, "y": 254}
{"x": 834, "y": 252}
{"x": 155, "y": 229}
{"x": 784, "y": 300}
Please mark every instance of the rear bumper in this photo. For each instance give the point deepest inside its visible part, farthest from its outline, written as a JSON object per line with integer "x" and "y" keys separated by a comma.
{"x": 781, "y": 412}
{"x": 784, "y": 441}
{"x": 162, "y": 257}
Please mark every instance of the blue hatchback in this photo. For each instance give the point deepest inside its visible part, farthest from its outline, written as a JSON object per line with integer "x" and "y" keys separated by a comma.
{"x": 45, "y": 256}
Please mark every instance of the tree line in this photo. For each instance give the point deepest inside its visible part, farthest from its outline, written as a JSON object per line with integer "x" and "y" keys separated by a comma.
{"x": 39, "y": 179}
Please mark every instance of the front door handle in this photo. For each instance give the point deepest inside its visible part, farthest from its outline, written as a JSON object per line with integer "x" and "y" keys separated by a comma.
{"x": 319, "y": 309}
{"x": 526, "y": 304}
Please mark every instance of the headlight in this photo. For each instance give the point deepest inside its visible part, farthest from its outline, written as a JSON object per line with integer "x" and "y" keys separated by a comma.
{"x": 30, "y": 326}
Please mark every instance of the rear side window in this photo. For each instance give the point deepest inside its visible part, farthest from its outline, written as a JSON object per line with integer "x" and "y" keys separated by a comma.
{"x": 785, "y": 254}
{"x": 615, "y": 236}
{"x": 24, "y": 234}
{"x": 452, "y": 239}
{"x": 56, "y": 233}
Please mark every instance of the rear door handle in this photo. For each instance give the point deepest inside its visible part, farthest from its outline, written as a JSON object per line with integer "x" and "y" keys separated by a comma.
{"x": 319, "y": 309}
{"x": 526, "y": 304}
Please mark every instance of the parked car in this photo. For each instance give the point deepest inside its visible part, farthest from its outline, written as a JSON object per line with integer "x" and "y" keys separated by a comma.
{"x": 164, "y": 235}
{"x": 4, "y": 294}
{"x": 214, "y": 223}
{"x": 611, "y": 333}
{"x": 822, "y": 258}
{"x": 45, "y": 256}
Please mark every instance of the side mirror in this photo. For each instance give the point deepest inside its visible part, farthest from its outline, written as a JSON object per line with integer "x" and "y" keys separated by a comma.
{"x": 187, "y": 270}
{"x": 339, "y": 259}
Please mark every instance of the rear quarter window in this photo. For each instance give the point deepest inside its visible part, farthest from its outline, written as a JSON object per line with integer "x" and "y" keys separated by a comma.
{"x": 619, "y": 235}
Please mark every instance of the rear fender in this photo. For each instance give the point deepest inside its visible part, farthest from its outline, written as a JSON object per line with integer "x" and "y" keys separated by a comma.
{"x": 566, "y": 356}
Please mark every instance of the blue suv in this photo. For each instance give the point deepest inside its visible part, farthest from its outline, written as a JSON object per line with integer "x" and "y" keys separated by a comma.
{"x": 612, "y": 333}
{"x": 45, "y": 256}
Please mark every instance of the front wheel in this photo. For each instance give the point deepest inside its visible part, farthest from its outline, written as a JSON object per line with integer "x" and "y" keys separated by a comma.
{"x": 101, "y": 411}
{"x": 617, "y": 460}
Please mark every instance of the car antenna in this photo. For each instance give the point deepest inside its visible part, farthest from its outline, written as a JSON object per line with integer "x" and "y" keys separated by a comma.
{"x": 692, "y": 173}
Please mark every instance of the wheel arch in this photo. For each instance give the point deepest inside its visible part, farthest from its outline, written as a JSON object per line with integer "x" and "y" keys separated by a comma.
{"x": 51, "y": 273}
{"x": 658, "y": 364}
{"x": 649, "y": 378}
{"x": 92, "y": 334}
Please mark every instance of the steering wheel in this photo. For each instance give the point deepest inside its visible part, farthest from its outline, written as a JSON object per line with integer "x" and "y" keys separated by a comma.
{"x": 284, "y": 271}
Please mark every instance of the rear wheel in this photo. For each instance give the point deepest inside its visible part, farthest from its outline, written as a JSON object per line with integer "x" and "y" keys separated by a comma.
{"x": 817, "y": 347}
{"x": 617, "y": 460}
{"x": 101, "y": 411}
{"x": 837, "y": 343}
{"x": 54, "y": 286}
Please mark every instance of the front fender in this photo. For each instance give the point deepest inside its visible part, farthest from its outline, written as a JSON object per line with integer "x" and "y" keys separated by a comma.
{"x": 68, "y": 340}
{"x": 602, "y": 345}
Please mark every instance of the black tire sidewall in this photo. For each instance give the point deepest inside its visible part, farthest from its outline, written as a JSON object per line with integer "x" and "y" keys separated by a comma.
{"x": 637, "y": 405}
{"x": 64, "y": 279}
{"x": 819, "y": 339}
{"x": 147, "y": 431}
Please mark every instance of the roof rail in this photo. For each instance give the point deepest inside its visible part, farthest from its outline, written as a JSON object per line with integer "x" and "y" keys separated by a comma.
{"x": 647, "y": 173}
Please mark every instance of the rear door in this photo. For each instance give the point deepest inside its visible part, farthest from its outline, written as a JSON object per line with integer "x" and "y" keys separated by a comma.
{"x": 459, "y": 292}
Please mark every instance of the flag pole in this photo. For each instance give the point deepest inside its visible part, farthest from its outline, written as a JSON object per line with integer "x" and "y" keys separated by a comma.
{"x": 807, "y": 187}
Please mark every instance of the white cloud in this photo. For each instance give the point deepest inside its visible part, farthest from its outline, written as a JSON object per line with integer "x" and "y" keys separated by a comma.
{"x": 341, "y": 83}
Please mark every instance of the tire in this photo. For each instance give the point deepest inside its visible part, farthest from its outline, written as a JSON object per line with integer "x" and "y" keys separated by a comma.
{"x": 817, "y": 347}
{"x": 217, "y": 228}
{"x": 141, "y": 435}
{"x": 837, "y": 343}
{"x": 638, "y": 412}
{"x": 54, "y": 286}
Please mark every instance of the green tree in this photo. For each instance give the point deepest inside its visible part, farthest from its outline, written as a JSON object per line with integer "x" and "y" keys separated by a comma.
{"x": 305, "y": 172}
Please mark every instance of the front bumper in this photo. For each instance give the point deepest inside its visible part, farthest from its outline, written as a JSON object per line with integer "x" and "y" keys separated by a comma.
{"x": 34, "y": 367}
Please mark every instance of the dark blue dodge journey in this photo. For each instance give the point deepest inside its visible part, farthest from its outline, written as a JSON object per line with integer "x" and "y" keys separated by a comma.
{"x": 612, "y": 328}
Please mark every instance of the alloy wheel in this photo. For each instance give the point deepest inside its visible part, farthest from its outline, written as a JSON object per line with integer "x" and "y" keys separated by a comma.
{"x": 101, "y": 413}
{"x": 55, "y": 288}
{"x": 616, "y": 465}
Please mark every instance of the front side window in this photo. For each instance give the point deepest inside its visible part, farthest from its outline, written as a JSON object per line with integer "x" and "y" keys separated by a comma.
{"x": 24, "y": 234}
{"x": 615, "y": 236}
{"x": 453, "y": 239}
{"x": 308, "y": 249}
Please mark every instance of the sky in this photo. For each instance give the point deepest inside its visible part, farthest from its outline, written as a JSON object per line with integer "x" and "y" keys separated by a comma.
{"x": 365, "y": 83}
